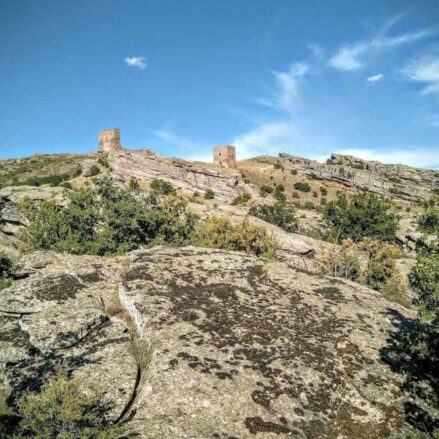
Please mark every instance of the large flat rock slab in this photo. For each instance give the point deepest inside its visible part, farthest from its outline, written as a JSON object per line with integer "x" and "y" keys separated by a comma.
{"x": 242, "y": 348}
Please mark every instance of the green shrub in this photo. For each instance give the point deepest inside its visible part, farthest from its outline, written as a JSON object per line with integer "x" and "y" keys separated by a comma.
{"x": 6, "y": 270}
{"x": 265, "y": 190}
{"x": 162, "y": 187}
{"x": 125, "y": 222}
{"x": 103, "y": 162}
{"x": 315, "y": 194}
{"x": 323, "y": 190}
{"x": 378, "y": 272}
{"x": 59, "y": 410}
{"x": 94, "y": 170}
{"x": 209, "y": 194}
{"x": 278, "y": 166}
{"x": 219, "y": 232}
{"x": 302, "y": 186}
{"x": 133, "y": 185}
{"x": 309, "y": 205}
{"x": 279, "y": 193}
{"x": 279, "y": 214}
{"x": 241, "y": 199}
{"x": 293, "y": 171}
{"x": 428, "y": 222}
{"x": 364, "y": 215}
{"x": 323, "y": 201}
{"x": 66, "y": 185}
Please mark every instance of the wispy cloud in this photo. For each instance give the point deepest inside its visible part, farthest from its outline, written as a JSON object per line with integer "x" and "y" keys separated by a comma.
{"x": 138, "y": 62}
{"x": 288, "y": 84}
{"x": 350, "y": 57}
{"x": 375, "y": 78}
{"x": 424, "y": 70}
{"x": 167, "y": 135}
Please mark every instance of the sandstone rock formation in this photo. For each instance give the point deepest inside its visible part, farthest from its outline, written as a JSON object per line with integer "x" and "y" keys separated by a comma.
{"x": 397, "y": 181}
{"x": 226, "y": 183}
{"x": 232, "y": 347}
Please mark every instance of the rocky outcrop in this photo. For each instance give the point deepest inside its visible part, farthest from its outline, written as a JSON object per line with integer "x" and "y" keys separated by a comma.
{"x": 232, "y": 346}
{"x": 55, "y": 316}
{"x": 11, "y": 220}
{"x": 396, "y": 181}
{"x": 146, "y": 166}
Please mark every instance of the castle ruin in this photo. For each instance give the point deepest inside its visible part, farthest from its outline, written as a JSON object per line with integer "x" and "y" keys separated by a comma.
{"x": 224, "y": 156}
{"x": 109, "y": 140}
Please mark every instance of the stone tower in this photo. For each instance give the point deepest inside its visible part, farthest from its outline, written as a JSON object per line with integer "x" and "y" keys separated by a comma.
{"x": 225, "y": 156}
{"x": 109, "y": 140}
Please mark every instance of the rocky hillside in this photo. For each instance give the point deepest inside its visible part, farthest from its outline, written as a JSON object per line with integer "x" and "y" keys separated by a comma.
{"x": 197, "y": 343}
{"x": 395, "y": 181}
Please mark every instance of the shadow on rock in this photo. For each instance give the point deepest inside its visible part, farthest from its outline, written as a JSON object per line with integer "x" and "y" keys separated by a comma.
{"x": 404, "y": 354}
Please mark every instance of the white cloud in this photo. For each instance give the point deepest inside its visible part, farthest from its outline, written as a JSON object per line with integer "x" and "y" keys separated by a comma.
{"x": 136, "y": 61}
{"x": 350, "y": 57}
{"x": 424, "y": 70}
{"x": 418, "y": 157}
{"x": 269, "y": 138}
{"x": 375, "y": 78}
{"x": 288, "y": 83}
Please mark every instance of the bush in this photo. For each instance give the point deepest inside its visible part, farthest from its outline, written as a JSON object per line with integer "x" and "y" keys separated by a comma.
{"x": 295, "y": 194}
{"x": 219, "y": 232}
{"x": 309, "y": 205}
{"x": 293, "y": 171}
{"x": 377, "y": 272}
{"x": 209, "y": 194}
{"x": 342, "y": 261}
{"x": 279, "y": 215}
{"x": 315, "y": 194}
{"x": 162, "y": 187}
{"x": 323, "y": 190}
{"x": 428, "y": 222}
{"x": 66, "y": 185}
{"x": 103, "y": 162}
{"x": 6, "y": 271}
{"x": 133, "y": 185}
{"x": 94, "y": 170}
{"x": 323, "y": 201}
{"x": 278, "y": 166}
{"x": 365, "y": 215}
{"x": 302, "y": 186}
{"x": 59, "y": 410}
{"x": 241, "y": 199}
{"x": 265, "y": 190}
{"x": 278, "y": 193}
{"x": 104, "y": 221}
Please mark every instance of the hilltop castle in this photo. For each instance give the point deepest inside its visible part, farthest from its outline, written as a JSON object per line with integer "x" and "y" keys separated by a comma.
{"x": 109, "y": 141}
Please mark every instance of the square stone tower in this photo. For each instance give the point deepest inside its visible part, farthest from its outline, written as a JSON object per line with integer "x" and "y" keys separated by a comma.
{"x": 109, "y": 140}
{"x": 225, "y": 156}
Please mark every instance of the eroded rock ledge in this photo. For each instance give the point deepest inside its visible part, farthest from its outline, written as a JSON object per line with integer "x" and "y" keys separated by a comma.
{"x": 236, "y": 347}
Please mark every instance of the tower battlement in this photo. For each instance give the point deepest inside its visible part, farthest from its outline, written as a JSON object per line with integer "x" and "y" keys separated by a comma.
{"x": 224, "y": 156}
{"x": 109, "y": 140}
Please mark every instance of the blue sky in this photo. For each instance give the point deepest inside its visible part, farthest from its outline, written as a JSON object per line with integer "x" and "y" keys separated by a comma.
{"x": 308, "y": 78}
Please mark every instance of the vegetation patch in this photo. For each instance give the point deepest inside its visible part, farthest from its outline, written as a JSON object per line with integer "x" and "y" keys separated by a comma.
{"x": 362, "y": 216}
{"x": 278, "y": 214}
{"x": 219, "y": 232}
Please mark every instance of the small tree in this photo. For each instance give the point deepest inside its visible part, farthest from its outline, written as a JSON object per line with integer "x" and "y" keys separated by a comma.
{"x": 162, "y": 187}
{"x": 279, "y": 215}
{"x": 302, "y": 186}
{"x": 364, "y": 215}
{"x": 428, "y": 222}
